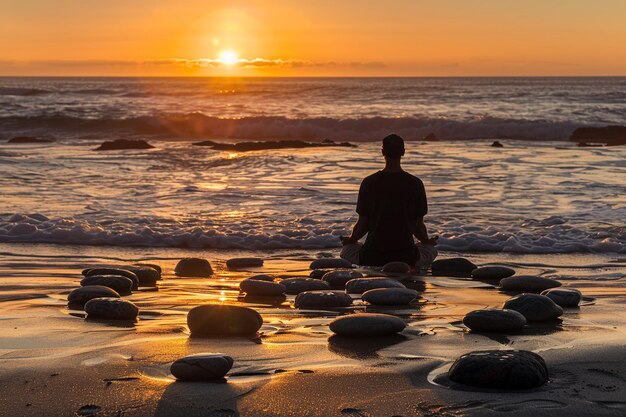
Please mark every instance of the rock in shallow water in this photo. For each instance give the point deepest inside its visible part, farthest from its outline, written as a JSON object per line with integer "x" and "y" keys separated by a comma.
{"x": 80, "y": 296}
{"x": 389, "y": 296}
{"x": 328, "y": 263}
{"x": 111, "y": 308}
{"x": 527, "y": 283}
{"x": 202, "y": 367}
{"x": 114, "y": 271}
{"x": 455, "y": 267}
{"x": 318, "y": 273}
{"x": 494, "y": 320}
{"x": 492, "y": 272}
{"x": 322, "y": 299}
{"x": 259, "y": 287}
{"x": 397, "y": 268}
{"x": 563, "y": 297}
{"x": 504, "y": 369}
{"x": 367, "y": 325}
{"x": 120, "y": 284}
{"x": 298, "y": 285}
{"x": 244, "y": 262}
{"x": 263, "y": 277}
{"x": 193, "y": 267}
{"x": 360, "y": 285}
{"x": 153, "y": 266}
{"x": 146, "y": 274}
{"x": 212, "y": 320}
{"x": 534, "y": 307}
{"x": 339, "y": 278}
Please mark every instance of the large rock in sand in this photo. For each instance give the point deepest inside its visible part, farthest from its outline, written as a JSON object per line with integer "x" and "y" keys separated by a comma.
{"x": 454, "y": 267}
{"x": 147, "y": 275}
{"x": 81, "y": 295}
{"x": 492, "y": 272}
{"x": 397, "y": 268}
{"x": 262, "y": 288}
{"x": 244, "y": 262}
{"x": 322, "y": 299}
{"x": 224, "y": 320}
{"x": 501, "y": 369}
{"x": 328, "y": 263}
{"x": 360, "y": 285}
{"x": 119, "y": 284}
{"x": 534, "y": 307}
{"x": 111, "y": 309}
{"x": 389, "y": 296}
{"x": 367, "y": 325}
{"x": 339, "y": 278}
{"x": 193, "y": 267}
{"x": 528, "y": 283}
{"x": 298, "y": 285}
{"x": 202, "y": 367}
{"x": 563, "y": 297}
{"x": 494, "y": 320}
{"x": 114, "y": 271}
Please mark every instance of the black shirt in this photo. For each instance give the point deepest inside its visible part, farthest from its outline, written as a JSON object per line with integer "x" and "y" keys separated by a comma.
{"x": 392, "y": 203}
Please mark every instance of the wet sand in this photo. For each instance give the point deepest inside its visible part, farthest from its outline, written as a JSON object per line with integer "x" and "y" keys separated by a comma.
{"x": 54, "y": 362}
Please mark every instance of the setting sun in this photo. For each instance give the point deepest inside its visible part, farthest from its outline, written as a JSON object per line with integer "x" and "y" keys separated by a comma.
{"x": 228, "y": 57}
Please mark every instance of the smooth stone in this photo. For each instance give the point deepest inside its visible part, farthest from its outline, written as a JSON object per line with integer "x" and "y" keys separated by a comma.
{"x": 501, "y": 369}
{"x": 456, "y": 267}
{"x": 202, "y": 367}
{"x": 318, "y": 273}
{"x": 259, "y": 287}
{"x": 114, "y": 271}
{"x": 81, "y": 295}
{"x": 121, "y": 144}
{"x": 397, "y": 268}
{"x": 528, "y": 283}
{"x": 492, "y": 272}
{"x": 263, "y": 277}
{"x": 328, "y": 263}
{"x": 111, "y": 308}
{"x": 494, "y": 320}
{"x": 339, "y": 278}
{"x": 298, "y": 285}
{"x": 563, "y": 297}
{"x": 226, "y": 320}
{"x": 118, "y": 283}
{"x": 145, "y": 274}
{"x": 367, "y": 325}
{"x": 153, "y": 266}
{"x": 361, "y": 285}
{"x": 390, "y": 296}
{"x": 322, "y": 299}
{"x": 193, "y": 267}
{"x": 244, "y": 262}
{"x": 534, "y": 307}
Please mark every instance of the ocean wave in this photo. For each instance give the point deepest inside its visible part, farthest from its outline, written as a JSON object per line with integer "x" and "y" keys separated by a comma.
{"x": 17, "y": 91}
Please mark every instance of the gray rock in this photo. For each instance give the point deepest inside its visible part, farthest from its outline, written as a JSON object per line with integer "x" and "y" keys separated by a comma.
{"x": 244, "y": 262}
{"x": 361, "y": 285}
{"x": 389, "y": 296}
{"x": 111, "y": 308}
{"x": 494, "y": 320}
{"x": 145, "y": 274}
{"x": 114, "y": 271}
{"x": 492, "y": 272}
{"x": 225, "y": 320}
{"x": 81, "y": 295}
{"x": 259, "y": 287}
{"x": 263, "y": 277}
{"x": 202, "y": 367}
{"x": 534, "y": 307}
{"x": 339, "y": 278}
{"x": 455, "y": 267}
{"x": 397, "y": 268}
{"x": 527, "y": 283}
{"x": 367, "y": 325}
{"x": 193, "y": 267}
{"x": 563, "y": 297}
{"x": 322, "y": 299}
{"x": 328, "y": 263}
{"x": 501, "y": 369}
{"x": 298, "y": 285}
{"x": 118, "y": 283}
{"x": 318, "y": 273}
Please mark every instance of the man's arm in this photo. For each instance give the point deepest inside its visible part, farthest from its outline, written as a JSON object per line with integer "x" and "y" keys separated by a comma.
{"x": 359, "y": 230}
{"x": 421, "y": 233}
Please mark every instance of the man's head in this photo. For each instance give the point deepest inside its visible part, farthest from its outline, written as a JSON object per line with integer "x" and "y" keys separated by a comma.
{"x": 393, "y": 147}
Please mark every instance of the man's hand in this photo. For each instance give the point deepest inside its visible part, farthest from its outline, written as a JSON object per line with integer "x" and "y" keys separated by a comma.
{"x": 431, "y": 241}
{"x": 347, "y": 240}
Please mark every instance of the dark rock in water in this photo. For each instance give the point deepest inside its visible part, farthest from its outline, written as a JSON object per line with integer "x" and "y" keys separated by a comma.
{"x": 29, "y": 139}
{"x": 153, "y": 266}
{"x": 282, "y": 144}
{"x": 114, "y": 271}
{"x": 328, "y": 263}
{"x": 263, "y": 277}
{"x": 367, "y": 325}
{"x": 610, "y": 135}
{"x": 298, "y": 285}
{"x": 389, "y": 296}
{"x": 244, "y": 262}
{"x": 81, "y": 295}
{"x": 145, "y": 274}
{"x": 111, "y": 308}
{"x": 454, "y": 267}
{"x": 497, "y": 144}
{"x": 318, "y": 273}
{"x": 397, "y": 268}
{"x": 118, "y": 144}
{"x": 494, "y": 320}
{"x": 259, "y": 287}
{"x": 193, "y": 267}
{"x": 202, "y": 367}
{"x": 431, "y": 137}
{"x": 322, "y": 299}
{"x": 492, "y": 272}
{"x": 118, "y": 283}
{"x": 563, "y": 297}
{"x": 339, "y": 278}
{"x": 534, "y": 307}
{"x": 503, "y": 369}
{"x": 361, "y": 285}
{"x": 527, "y": 283}
{"x": 226, "y": 320}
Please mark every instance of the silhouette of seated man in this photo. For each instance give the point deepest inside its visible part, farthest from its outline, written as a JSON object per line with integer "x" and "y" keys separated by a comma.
{"x": 391, "y": 208}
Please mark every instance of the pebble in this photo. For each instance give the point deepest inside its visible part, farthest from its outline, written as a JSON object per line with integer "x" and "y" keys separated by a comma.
{"x": 244, "y": 262}
{"x": 339, "y": 278}
{"x": 455, "y": 267}
{"x": 361, "y": 285}
{"x": 111, "y": 308}
{"x": 114, "y": 271}
{"x": 494, "y": 320}
{"x": 145, "y": 274}
{"x": 390, "y": 296}
{"x": 193, "y": 267}
{"x": 263, "y": 277}
{"x": 260, "y": 287}
{"x": 298, "y": 285}
{"x": 322, "y": 299}
{"x": 397, "y": 268}
{"x": 492, "y": 272}
{"x": 367, "y": 325}
{"x": 81, "y": 295}
{"x": 328, "y": 263}
{"x": 501, "y": 369}
{"x": 528, "y": 283}
{"x": 227, "y": 320}
{"x": 153, "y": 266}
{"x": 563, "y": 297}
{"x": 202, "y": 367}
{"x": 318, "y": 273}
{"x": 534, "y": 307}
{"x": 118, "y": 283}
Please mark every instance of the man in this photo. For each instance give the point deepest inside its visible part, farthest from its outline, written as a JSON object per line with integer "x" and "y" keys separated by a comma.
{"x": 391, "y": 208}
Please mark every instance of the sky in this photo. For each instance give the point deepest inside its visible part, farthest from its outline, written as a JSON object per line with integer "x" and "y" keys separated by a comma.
{"x": 312, "y": 37}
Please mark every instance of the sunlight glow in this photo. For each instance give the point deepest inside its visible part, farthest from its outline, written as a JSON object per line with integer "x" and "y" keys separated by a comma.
{"x": 228, "y": 57}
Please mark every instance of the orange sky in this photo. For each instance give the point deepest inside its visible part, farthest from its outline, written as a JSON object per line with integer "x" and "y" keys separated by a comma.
{"x": 313, "y": 37}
